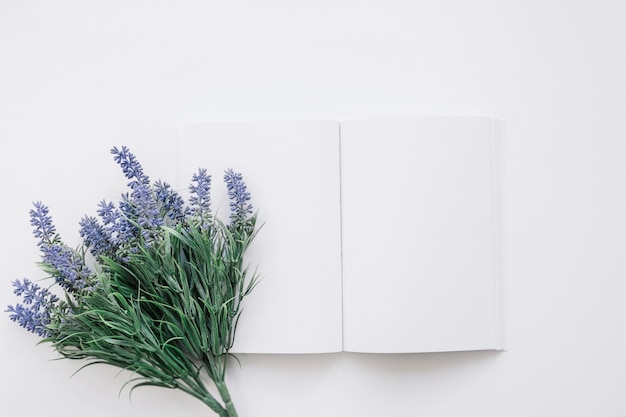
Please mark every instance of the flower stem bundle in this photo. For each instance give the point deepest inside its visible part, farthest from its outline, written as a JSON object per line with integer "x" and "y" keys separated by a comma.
{"x": 155, "y": 289}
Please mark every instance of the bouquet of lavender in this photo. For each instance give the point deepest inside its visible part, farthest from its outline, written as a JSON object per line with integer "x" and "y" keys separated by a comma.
{"x": 156, "y": 287}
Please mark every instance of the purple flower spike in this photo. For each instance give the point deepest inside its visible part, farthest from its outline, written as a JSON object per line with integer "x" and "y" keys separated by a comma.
{"x": 71, "y": 271}
{"x": 172, "y": 204}
{"x": 108, "y": 213}
{"x": 239, "y": 196}
{"x": 200, "y": 200}
{"x": 34, "y": 316}
{"x": 96, "y": 236}
{"x": 148, "y": 215}
{"x": 141, "y": 206}
{"x": 42, "y": 222}
{"x": 130, "y": 166}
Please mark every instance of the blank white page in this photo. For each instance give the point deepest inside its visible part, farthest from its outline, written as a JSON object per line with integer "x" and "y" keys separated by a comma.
{"x": 291, "y": 169}
{"x": 420, "y": 234}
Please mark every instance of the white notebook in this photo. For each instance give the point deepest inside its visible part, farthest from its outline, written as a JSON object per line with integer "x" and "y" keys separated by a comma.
{"x": 379, "y": 235}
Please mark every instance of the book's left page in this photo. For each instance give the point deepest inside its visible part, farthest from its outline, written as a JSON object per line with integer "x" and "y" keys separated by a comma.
{"x": 291, "y": 169}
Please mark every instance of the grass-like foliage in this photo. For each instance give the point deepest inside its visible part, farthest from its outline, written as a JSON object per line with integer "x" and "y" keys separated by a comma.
{"x": 156, "y": 288}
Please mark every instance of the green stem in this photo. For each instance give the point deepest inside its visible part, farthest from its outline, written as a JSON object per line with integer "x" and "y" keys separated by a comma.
{"x": 201, "y": 393}
{"x": 225, "y": 394}
{"x": 216, "y": 368}
{"x": 222, "y": 412}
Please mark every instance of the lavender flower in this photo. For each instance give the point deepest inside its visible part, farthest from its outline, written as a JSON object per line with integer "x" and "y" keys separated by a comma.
{"x": 44, "y": 230}
{"x": 96, "y": 236}
{"x": 34, "y": 314}
{"x": 239, "y": 196}
{"x": 200, "y": 200}
{"x": 123, "y": 230}
{"x": 141, "y": 207}
{"x": 130, "y": 166}
{"x": 148, "y": 216}
{"x": 108, "y": 213}
{"x": 172, "y": 204}
{"x": 106, "y": 239}
{"x": 68, "y": 266}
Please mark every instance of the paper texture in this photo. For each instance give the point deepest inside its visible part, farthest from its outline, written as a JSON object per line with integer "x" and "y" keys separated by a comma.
{"x": 420, "y": 246}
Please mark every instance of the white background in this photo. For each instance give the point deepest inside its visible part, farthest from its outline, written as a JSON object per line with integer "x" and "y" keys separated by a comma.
{"x": 78, "y": 77}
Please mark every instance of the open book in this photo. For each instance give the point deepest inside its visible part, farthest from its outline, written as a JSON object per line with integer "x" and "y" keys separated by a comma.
{"x": 379, "y": 235}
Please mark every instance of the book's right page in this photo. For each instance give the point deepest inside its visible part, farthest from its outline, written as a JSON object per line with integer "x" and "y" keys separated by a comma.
{"x": 420, "y": 234}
